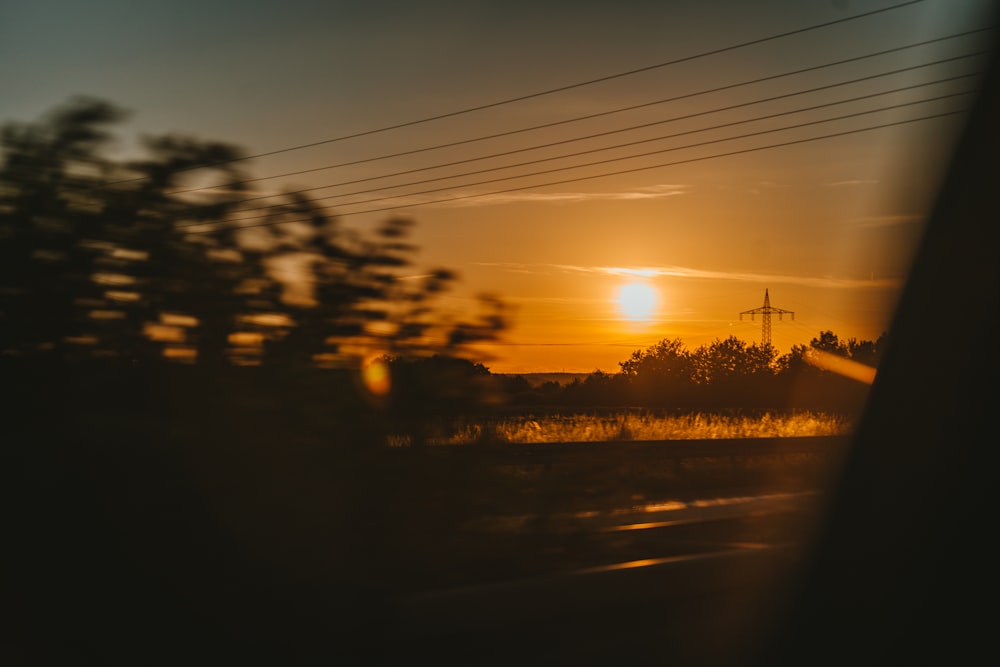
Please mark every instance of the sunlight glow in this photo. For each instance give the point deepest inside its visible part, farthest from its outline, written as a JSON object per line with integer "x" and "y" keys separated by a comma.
{"x": 376, "y": 378}
{"x": 841, "y": 365}
{"x": 643, "y": 273}
{"x": 637, "y": 301}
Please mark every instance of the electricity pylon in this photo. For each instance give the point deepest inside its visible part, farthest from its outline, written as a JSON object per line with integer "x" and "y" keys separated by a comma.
{"x": 766, "y": 311}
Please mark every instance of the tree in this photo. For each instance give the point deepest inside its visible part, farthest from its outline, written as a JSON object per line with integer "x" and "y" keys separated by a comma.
{"x": 661, "y": 374}
{"x": 152, "y": 260}
{"x": 731, "y": 359}
{"x": 597, "y": 389}
{"x": 430, "y": 394}
{"x": 666, "y": 359}
{"x": 795, "y": 362}
{"x": 49, "y": 210}
{"x": 830, "y": 342}
{"x": 866, "y": 351}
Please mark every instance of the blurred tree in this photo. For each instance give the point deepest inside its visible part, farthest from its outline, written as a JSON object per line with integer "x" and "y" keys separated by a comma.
{"x": 51, "y": 228}
{"x": 148, "y": 260}
{"x": 192, "y": 262}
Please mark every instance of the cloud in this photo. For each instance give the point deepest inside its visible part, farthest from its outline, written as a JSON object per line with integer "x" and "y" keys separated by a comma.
{"x": 702, "y": 274}
{"x": 854, "y": 181}
{"x": 495, "y": 198}
{"x": 557, "y": 299}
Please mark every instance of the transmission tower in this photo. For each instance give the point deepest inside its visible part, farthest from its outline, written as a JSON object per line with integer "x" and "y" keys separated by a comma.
{"x": 766, "y": 311}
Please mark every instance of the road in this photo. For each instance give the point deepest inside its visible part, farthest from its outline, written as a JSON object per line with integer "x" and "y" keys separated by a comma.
{"x": 653, "y": 581}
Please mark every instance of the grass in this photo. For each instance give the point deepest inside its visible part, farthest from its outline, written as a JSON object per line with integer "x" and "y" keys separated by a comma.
{"x": 645, "y": 425}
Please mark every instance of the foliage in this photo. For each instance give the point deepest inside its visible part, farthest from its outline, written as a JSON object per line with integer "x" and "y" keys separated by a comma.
{"x": 726, "y": 373}
{"x": 157, "y": 259}
{"x": 729, "y": 360}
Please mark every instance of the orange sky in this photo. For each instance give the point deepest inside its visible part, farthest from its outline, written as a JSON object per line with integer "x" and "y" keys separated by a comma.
{"x": 827, "y": 226}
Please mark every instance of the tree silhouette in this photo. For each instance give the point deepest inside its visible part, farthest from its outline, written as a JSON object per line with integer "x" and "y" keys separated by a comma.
{"x": 827, "y": 341}
{"x": 661, "y": 373}
{"x": 49, "y": 211}
{"x": 730, "y": 373}
{"x": 866, "y": 351}
{"x": 731, "y": 359}
{"x": 148, "y": 260}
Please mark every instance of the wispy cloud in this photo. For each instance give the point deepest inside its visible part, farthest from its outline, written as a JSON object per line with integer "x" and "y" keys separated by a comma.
{"x": 701, "y": 274}
{"x": 558, "y": 299}
{"x": 467, "y": 198}
{"x": 853, "y": 181}
{"x": 650, "y": 192}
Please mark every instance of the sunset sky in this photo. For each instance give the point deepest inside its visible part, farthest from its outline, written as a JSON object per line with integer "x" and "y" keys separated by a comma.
{"x": 638, "y": 170}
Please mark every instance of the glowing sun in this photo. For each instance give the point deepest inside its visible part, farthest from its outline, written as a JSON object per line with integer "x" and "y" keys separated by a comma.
{"x": 637, "y": 301}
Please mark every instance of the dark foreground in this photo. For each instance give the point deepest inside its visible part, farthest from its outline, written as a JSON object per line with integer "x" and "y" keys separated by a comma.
{"x": 226, "y": 542}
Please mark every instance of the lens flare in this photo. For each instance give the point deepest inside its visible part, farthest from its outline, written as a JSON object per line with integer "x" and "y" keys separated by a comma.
{"x": 376, "y": 377}
{"x": 841, "y": 365}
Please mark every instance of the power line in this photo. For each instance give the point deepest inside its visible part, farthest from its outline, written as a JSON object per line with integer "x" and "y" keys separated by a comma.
{"x": 610, "y": 160}
{"x": 603, "y": 175}
{"x": 617, "y": 146}
{"x": 601, "y": 134}
{"x": 550, "y": 91}
{"x": 599, "y": 114}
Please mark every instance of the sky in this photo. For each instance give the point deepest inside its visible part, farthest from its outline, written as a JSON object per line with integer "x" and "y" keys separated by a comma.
{"x": 709, "y": 150}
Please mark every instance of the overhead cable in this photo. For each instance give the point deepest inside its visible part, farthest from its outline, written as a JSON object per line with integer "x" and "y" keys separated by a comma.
{"x": 575, "y": 119}
{"x": 597, "y": 135}
{"x": 559, "y": 89}
{"x": 615, "y": 159}
{"x": 214, "y": 225}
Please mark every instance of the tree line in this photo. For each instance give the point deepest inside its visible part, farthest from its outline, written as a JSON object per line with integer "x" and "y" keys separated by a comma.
{"x": 726, "y": 373}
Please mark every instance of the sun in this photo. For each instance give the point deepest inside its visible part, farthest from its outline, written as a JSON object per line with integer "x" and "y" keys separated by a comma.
{"x": 637, "y": 301}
